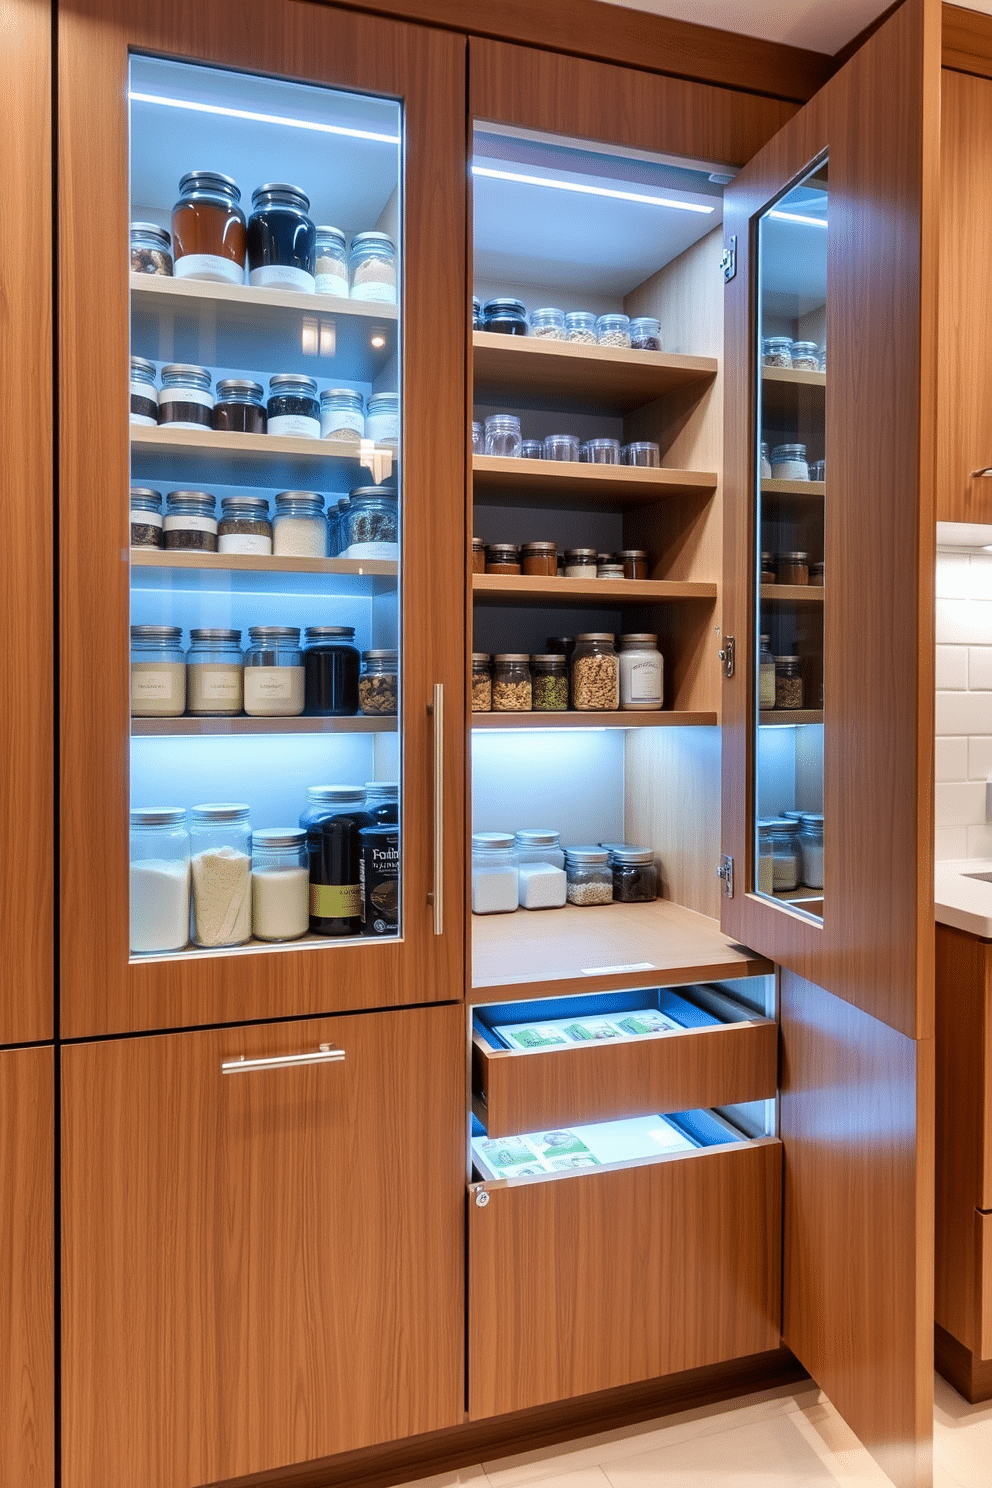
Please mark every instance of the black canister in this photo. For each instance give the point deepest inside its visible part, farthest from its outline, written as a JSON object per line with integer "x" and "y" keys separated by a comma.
{"x": 282, "y": 240}
{"x": 380, "y": 876}
{"x": 331, "y": 668}
{"x": 335, "y": 850}
{"x": 507, "y": 317}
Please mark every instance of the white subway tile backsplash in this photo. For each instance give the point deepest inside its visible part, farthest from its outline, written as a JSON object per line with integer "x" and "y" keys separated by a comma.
{"x": 950, "y": 842}
{"x": 951, "y": 759}
{"x": 960, "y": 803}
{"x": 952, "y": 668}
{"x": 953, "y": 575}
{"x": 964, "y": 622}
{"x": 979, "y": 757}
{"x": 963, "y": 713}
{"x": 979, "y": 670}
{"x": 980, "y": 576}
{"x": 963, "y": 757}
{"x": 979, "y": 841}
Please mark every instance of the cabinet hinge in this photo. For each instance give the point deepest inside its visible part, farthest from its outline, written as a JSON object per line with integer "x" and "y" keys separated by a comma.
{"x": 725, "y": 872}
{"x": 728, "y": 655}
{"x": 728, "y": 262}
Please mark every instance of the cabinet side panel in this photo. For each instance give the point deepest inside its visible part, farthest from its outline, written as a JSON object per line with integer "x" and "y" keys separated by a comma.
{"x": 857, "y": 1127}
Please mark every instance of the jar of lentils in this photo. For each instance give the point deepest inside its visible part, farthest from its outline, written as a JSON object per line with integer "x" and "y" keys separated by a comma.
{"x": 580, "y": 327}
{"x": 589, "y": 876}
{"x": 595, "y": 673}
{"x": 548, "y": 324}
{"x": 549, "y": 683}
{"x": 613, "y": 330}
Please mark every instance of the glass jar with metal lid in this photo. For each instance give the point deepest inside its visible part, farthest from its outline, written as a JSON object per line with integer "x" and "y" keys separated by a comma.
{"x": 146, "y": 517}
{"x": 476, "y": 313}
{"x": 645, "y": 333}
{"x": 372, "y": 523}
{"x": 766, "y": 464}
{"x": 511, "y": 682}
{"x": 789, "y": 462}
{"x": 809, "y": 840}
{"x": 539, "y": 559}
{"x": 788, "y": 682}
{"x": 244, "y": 526}
{"x": 642, "y": 672}
{"x": 806, "y": 356}
{"x": 781, "y": 836}
{"x": 239, "y": 407}
{"x": 159, "y": 880}
{"x": 793, "y": 568}
{"x": 382, "y": 801}
{"x": 505, "y": 316}
{"x": 185, "y": 400}
{"x": 503, "y": 436}
{"x": 151, "y": 249}
{"x": 190, "y": 521}
{"x": 764, "y": 866}
{"x": 333, "y": 827}
{"x": 531, "y": 449}
{"x": 494, "y": 873}
{"x": 776, "y": 351}
{"x": 299, "y": 528}
{"x": 220, "y": 843}
{"x": 595, "y": 673}
{"x": 590, "y": 878}
{"x": 478, "y": 555}
{"x": 293, "y": 408}
{"x": 478, "y": 439}
{"x": 564, "y": 447}
{"x": 539, "y": 845}
{"x": 342, "y": 415}
{"x": 613, "y": 330}
{"x": 274, "y": 686}
{"x": 378, "y": 689}
{"x": 144, "y": 393}
{"x": 214, "y": 673}
{"x": 769, "y": 574}
{"x": 635, "y": 562}
{"x": 580, "y": 327}
{"x": 158, "y": 671}
{"x": 549, "y": 683}
{"x": 502, "y": 558}
{"x": 324, "y": 800}
{"x": 337, "y": 527}
{"x": 643, "y": 453}
{"x": 609, "y": 569}
{"x": 580, "y": 563}
{"x": 280, "y": 883}
{"x": 281, "y": 239}
{"x": 548, "y": 324}
{"x": 331, "y": 263}
{"x": 766, "y": 673}
{"x": 208, "y": 229}
{"x": 372, "y": 266}
{"x": 382, "y": 425}
{"x": 635, "y": 877}
{"x": 816, "y": 574}
{"x": 482, "y": 682}
{"x": 601, "y": 452}
{"x": 331, "y": 665}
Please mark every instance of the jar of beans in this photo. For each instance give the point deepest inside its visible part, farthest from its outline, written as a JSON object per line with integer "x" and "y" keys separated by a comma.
{"x": 635, "y": 878}
{"x": 613, "y": 330}
{"x": 549, "y": 324}
{"x": 580, "y": 327}
{"x": 645, "y": 333}
{"x": 589, "y": 876}
{"x": 377, "y": 687}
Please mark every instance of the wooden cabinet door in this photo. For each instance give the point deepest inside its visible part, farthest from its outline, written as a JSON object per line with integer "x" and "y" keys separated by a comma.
{"x": 260, "y": 1267}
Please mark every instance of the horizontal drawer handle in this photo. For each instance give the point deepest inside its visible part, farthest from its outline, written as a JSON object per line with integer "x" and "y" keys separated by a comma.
{"x": 326, "y": 1054}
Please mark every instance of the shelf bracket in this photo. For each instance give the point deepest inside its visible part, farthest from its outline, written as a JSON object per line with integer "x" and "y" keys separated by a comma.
{"x": 728, "y": 655}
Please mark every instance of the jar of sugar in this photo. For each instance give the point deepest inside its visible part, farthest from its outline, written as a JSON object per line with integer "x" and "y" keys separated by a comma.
{"x": 494, "y": 873}
{"x": 280, "y": 883}
{"x": 159, "y": 881}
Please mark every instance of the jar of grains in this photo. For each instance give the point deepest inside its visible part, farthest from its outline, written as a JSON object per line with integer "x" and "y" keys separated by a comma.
{"x": 532, "y": 449}
{"x": 190, "y": 521}
{"x": 334, "y": 824}
{"x": 280, "y": 883}
{"x": 274, "y": 685}
{"x": 482, "y": 682}
{"x": 505, "y": 317}
{"x": 208, "y": 229}
{"x": 372, "y": 523}
{"x": 159, "y": 880}
{"x": 580, "y": 327}
{"x": 548, "y": 324}
{"x": 151, "y": 249}
{"x": 540, "y": 559}
{"x": 793, "y": 568}
{"x": 330, "y": 266}
{"x": 281, "y": 239}
{"x": 382, "y": 425}
{"x": 595, "y": 673}
{"x": 331, "y": 667}
{"x": 478, "y": 555}
{"x": 293, "y": 408}
{"x": 503, "y": 436}
{"x": 777, "y": 351}
{"x": 766, "y": 674}
{"x": 299, "y": 529}
{"x": 244, "y": 526}
{"x": 214, "y": 673}
{"x": 768, "y": 570}
{"x": 580, "y": 563}
{"x": 645, "y": 333}
{"x": 590, "y": 878}
{"x": 613, "y": 330}
{"x": 601, "y": 452}
{"x": 378, "y": 685}
{"x": 561, "y": 447}
{"x": 789, "y": 462}
{"x": 644, "y": 452}
{"x": 641, "y": 672}
{"x": 502, "y": 558}
{"x": 158, "y": 671}
{"x": 635, "y": 878}
{"x": 816, "y": 574}
{"x": 635, "y": 562}
{"x": 239, "y": 407}
{"x": 146, "y": 517}
{"x": 144, "y": 393}
{"x": 766, "y": 464}
{"x": 494, "y": 873}
{"x": 478, "y": 440}
{"x": 372, "y": 266}
{"x": 806, "y": 356}
{"x": 185, "y": 400}
{"x": 220, "y": 844}
{"x": 342, "y": 414}
{"x": 785, "y": 856}
{"x": 810, "y": 842}
{"x": 549, "y": 683}
{"x": 788, "y": 682}
{"x": 511, "y": 682}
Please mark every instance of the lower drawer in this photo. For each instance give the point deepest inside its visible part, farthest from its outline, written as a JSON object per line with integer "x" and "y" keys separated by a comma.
{"x": 983, "y": 1283}
{"x": 603, "y": 1277}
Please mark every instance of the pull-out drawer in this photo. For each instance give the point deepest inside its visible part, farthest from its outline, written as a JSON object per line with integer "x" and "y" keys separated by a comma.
{"x": 563, "y": 1060}
{"x": 599, "y": 1277}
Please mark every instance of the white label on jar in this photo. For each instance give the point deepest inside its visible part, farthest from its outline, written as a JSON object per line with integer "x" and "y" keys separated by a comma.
{"x": 580, "y": 571}
{"x": 281, "y": 276}
{"x": 640, "y": 679}
{"x": 175, "y": 522}
{"x": 794, "y": 470}
{"x": 238, "y": 542}
{"x": 208, "y": 266}
{"x": 295, "y": 425}
{"x": 144, "y": 390}
{"x": 185, "y": 395}
{"x": 147, "y": 519}
{"x": 143, "y": 421}
{"x": 215, "y": 684}
{"x": 151, "y": 686}
{"x": 332, "y": 284}
{"x": 375, "y": 289}
{"x": 381, "y": 427}
{"x": 340, "y": 423}
{"x": 373, "y": 550}
{"x": 274, "y": 691}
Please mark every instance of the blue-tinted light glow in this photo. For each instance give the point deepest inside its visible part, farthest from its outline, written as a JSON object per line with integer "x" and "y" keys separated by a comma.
{"x": 250, "y": 114}
{"x": 797, "y": 217}
{"x": 584, "y": 190}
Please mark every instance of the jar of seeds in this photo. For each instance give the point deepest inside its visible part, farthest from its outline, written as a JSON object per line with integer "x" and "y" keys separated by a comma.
{"x": 549, "y": 683}
{"x": 645, "y": 333}
{"x": 777, "y": 351}
{"x": 372, "y": 264}
{"x": 613, "y": 330}
{"x": 146, "y": 517}
{"x": 377, "y": 686}
{"x": 806, "y": 356}
{"x": 244, "y": 526}
{"x": 590, "y": 878}
{"x": 788, "y": 682}
{"x": 482, "y": 682}
{"x": 330, "y": 268}
{"x": 511, "y": 683}
{"x": 549, "y": 324}
{"x": 580, "y": 327}
{"x": 595, "y": 673}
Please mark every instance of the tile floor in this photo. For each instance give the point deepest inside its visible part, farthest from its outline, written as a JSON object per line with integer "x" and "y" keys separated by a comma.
{"x": 785, "y": 1438}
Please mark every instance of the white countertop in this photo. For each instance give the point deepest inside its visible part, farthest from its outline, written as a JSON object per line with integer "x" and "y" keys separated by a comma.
{"x": 963, "y": 901}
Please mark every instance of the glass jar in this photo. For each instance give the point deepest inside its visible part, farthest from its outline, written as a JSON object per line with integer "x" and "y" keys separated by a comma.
{"x": 335, "y": 848}
{"x": 281, "y": 239}
{"x": 159, "y": 880}
{"x": 601, "y": 452}
{"x": 777, "y": 351}
{"x": 494, "y": 873}
{"x": 299, "y": 528}
{"x": 816, "y": 574}
{"x": 158, "y": 671}
{"x": 635, "y": 877}
{"x": 503, "y": 436}
{"x": 244, "y": 526}
{"x": 331, "y": 666}
{"x": 372, "y": 267}
{"x": 609, "y": 570}
{"x": 590, "y": 878}
{"x": 595, "y": 673}
{"x": 214, "y": 673}
{"x": 382, "y": 425}
{"x": 539, "y": 559}
{"x": 506, "y": 317}
{"x": 337, "y": 527}
{"x": 580, "y": 327}
{"x": 330, "y": 267}
{"x": 645, "y": 333}
{"x": 382, "y": 801}
{"x": 642, "y": 672}
{"x": 789, "y": 462}
{"x": 788, "y": 682}
{"x": 146, "y": 517}
{"x": 635, "y": 562}
{"x": 784, "y": 855}
{"x": 220, "y": 844}
{"x": 823, "y": 358}
{"x": 478, "y": 555}
{"x": 806, "y": 356}
{"x": 379, "y": 875}
{"x": 476, "y": 313}
{"x": 562, "y": 447}
{"x": 478, "y": 440}
{"x": 190, "y": 522}
{"x": 548, "y": 324}
{"x": 324, "y": 800}
{"x": 613, "y": 330}
{"x": 280, "y": 883}
{"x": 769, "y": 573}
{"x": 342, "y": 415}
{"x": 502, "y": 558}
{"x": 549, "y": 683}
{"x": 371, "y": 524}
{"x": 482, "y": 682}
{"x": 238, "y": 407}
{"x": 766, "y": 674}
{"x": 644, "y": 453}
{"x": 208, "y": 229}
{"x": 532, "y": 449}
{"x": 538, "y": 845}
{"x": 809, "y": 840}
{"x": 274, "y": 672}
{"x": 766, "y": 464}
{"x": 185, "y": 400}
{"x": 765, "y": 866}
{"x": 793, "y": 568}
{"x": 580, "y": 563}
{"x": 378, "y": 688}
{"x": 293, "y": 408}
{"x": 151, "y": 249}
{"x": 144, "y": 394}
{"x": 511, "y": 682}
{"x": 818, "y": 470}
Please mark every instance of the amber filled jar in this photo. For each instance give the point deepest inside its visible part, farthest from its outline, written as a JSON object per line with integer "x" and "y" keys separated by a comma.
{"x": 540, "y": 559}
{"x": 208, "y": 229}
{"x": 238, "y": 408}
{"x": 816, "y": 574}
{"x": 635, "y": 562}
{"x": 768, "y": 574}
{"x": 478, "y": 555}
{"x": 793, "y": 568}
{"x": 502, "y": 558}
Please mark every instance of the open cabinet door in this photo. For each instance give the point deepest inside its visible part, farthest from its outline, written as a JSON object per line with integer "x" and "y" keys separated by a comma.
{"x": 828, "y": 713}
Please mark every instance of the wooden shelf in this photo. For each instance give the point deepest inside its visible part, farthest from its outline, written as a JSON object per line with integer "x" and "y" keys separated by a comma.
{"x": 522, "y": 590}
{"x": 550, "y": 952}
{"x": 151, "y": 728}
{"x": 256, "y": 563}
{"x": 791, "y": 398}
{"x": 794, "y": 377}
{"x": 806, "y": 490}
{"x": 580, "y": 487}
{"x": 789, "y": 717}
{"x": 670, "y": 718}
{"x": 273, "y": 461}
{"x": 806, "y": 594}
{"x": 559, "y": 375}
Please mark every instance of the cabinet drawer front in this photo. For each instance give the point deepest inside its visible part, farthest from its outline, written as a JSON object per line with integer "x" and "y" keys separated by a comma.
{"x": 983, "y": 1284}
{"x": 587, "y": 1282}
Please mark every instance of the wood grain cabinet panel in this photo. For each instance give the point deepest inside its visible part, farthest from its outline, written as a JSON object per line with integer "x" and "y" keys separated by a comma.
{"x": 260, "y": 1268}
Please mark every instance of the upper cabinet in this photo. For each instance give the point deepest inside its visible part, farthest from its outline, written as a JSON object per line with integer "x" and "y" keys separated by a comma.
{"x": 261, "y": 648}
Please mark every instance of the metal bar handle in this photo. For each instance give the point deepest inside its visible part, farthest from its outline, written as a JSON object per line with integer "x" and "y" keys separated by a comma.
{"x": 436, "y": 896}
{"x": 326, "y": 1054}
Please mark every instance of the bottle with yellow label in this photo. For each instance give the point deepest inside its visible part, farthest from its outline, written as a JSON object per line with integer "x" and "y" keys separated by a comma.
{"x": 333, "y": 824}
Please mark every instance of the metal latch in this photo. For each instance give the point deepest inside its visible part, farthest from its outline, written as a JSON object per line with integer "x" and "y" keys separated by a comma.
{"x": 728, "y": 655}
{"x": 728, "y": 262}
{"x": 726, "y": 873}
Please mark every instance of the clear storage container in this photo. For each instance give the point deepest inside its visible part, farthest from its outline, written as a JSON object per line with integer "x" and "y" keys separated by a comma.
{"x": 644, "y": 453}
{"x": 144, "y": 394}
{"x": 146, "y": 517}
{"x": 636, "y": 562}
{"x": 785, "y": 856}
{"x": 810, "y": 842}
{"x": 482, "y": 682}
{"x": 382, "y": 801}
{"x": 214, "y": 673}
{"x": 766, "y": 464}
{"x": 220, "y": 847}
{"x": 788, "y": 682}
{"x": 190, "y": 521}
{"x": 159, "y": 880}
{"x": 239, "y": 407}
{"x": 331, "y": 263}
{"x": 273, "y": 681}
{"x": 645, "y": 333}
{"x": 342, "y": 415}
{"x": 590, "y": 878}
{"x": 372, "y": 267}
{"x": 806, "y": 356}
{"x": 580, "y": 563}
{"x": 185, "y": 400}
{"x": 561, "y": 447}
{"x": 478, "y": 439}
{"x": 539, "y": 845}
{"x": 539, "y": 559}
{"x": 635, "y": 877}
{"x": 532, "y": 449}
{"x": 511, "y": 682}
{"x": 777, "y": 351}
{"x": 299, "y": 529}
{"x": 549, "y": 683}
{"x": 548, "y": 324}
{"x": 151, "y": 249}
{"x": 335, "y": 846}
{"x": 325, "y": 800}
{"x": 382, "y": 425}
{"x": 766, "y": 674}
{"x": 281, "y": 239}
{"x": 642, "y": 672}
{"x": 280, "y": 883}
{"x": 378, "y": 686}
{"x": 371, "y": 524}
{"x": 580, "y": 327}
{"x": 793, "y": 568}
{"x": 595, "y": 673}
{"x": 494, "y": 873}
{"x": 158, "y": 671}
{"x": 505, "y": 316}
{"x": 601, "y": 452}
{"x": 503, "y": 436}
{"x": 244, "y": 526}
{"x": 331, "y": 665}
{"x": 613, "y": 330}
{"x": 293, "y": 409}
{"x": 208, "y": 229}
{"x": 789, "y": 462}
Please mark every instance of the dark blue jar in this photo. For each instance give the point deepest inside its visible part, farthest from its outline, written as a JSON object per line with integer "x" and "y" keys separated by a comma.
{"x": 282, "y": 240}
{"x": 507, "y": 317}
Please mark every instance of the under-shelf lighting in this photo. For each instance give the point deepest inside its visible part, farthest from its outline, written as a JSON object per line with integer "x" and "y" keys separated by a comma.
{"x": 584, "y": 190}
{"x": 378, "y": 342}
{"x": 256, "y": 118}
{"x": 798, "y": 217}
